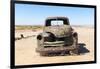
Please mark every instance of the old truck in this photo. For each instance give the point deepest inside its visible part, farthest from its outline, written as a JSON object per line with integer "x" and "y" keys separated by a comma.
{"x": 57, "y": 37}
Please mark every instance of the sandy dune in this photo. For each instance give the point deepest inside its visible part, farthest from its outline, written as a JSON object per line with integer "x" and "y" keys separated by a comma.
{"x": 25, "y": 53}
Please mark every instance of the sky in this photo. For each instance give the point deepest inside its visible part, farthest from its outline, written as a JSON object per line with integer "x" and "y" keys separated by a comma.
{"x": 26, "y": 14}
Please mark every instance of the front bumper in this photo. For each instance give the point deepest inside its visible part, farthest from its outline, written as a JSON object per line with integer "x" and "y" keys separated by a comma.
{"x": 55, "y": 49}
{"x": 56, "y": 46}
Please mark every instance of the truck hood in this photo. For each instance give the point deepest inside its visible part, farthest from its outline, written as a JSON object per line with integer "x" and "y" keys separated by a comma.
{"x": 59, "y": 31}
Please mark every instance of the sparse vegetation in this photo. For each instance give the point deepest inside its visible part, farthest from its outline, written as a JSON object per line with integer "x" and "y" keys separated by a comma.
{"x": 38, "y": 27}
{"x": 28, "y": 27}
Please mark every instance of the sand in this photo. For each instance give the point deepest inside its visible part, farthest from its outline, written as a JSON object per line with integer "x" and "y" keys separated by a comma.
{"x": 25, "y": 53}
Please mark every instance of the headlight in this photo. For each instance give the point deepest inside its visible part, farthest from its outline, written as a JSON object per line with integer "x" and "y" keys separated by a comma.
{"x": 39, "y": 37}
{"x": 75, "y": 34}
{"x": 46, "y": 36}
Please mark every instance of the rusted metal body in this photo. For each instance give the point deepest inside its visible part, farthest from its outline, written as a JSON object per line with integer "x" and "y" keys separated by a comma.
{"x": 57, "y": 38}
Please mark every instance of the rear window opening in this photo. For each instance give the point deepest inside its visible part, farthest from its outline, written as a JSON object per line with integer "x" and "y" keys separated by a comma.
{"x": 56, "y": 22}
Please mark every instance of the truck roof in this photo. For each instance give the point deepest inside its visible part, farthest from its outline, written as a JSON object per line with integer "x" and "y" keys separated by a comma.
{"x": 57, "y": 17}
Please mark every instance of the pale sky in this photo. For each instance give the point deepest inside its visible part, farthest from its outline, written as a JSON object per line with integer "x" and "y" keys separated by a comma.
{"x": 26, "y": 14}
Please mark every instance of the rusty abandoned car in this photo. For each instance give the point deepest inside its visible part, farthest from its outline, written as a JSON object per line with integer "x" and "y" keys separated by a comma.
{"x": 57, "y": 37}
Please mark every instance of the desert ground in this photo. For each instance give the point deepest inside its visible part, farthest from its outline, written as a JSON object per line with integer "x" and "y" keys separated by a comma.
{"x": 25, "y": 53}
